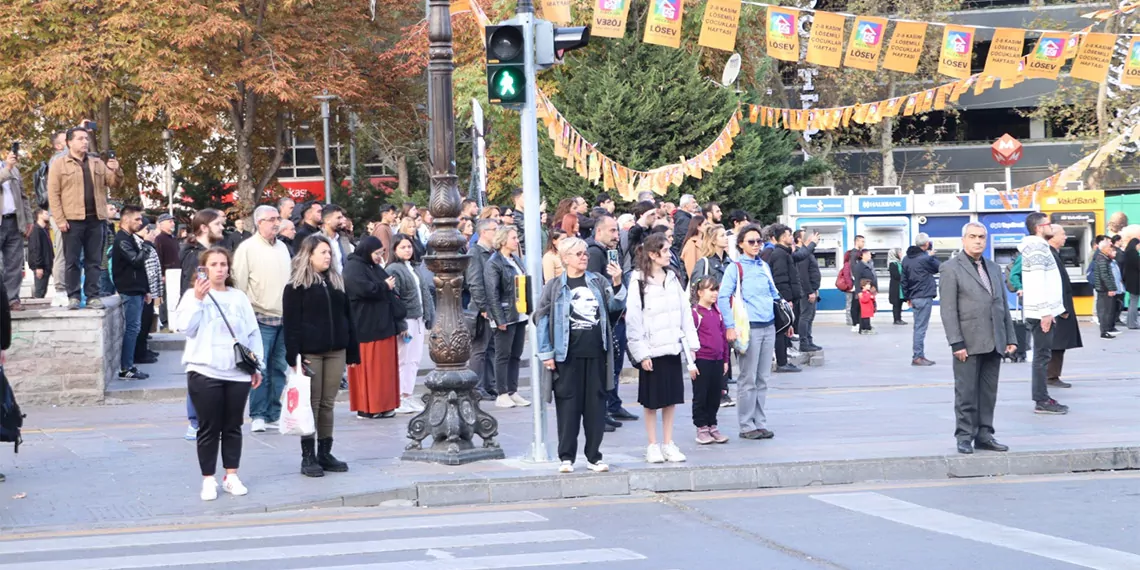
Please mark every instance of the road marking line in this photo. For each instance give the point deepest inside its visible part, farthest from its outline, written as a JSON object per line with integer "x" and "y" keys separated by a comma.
{"x": 1029, "y": 542}
{"x": 531, "y": 560}
{"x": 297, "y": 552}
{"x": 260, "y": 532}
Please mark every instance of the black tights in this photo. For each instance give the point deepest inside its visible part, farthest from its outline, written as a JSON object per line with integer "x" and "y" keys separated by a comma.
{"x": 220, "y": 405}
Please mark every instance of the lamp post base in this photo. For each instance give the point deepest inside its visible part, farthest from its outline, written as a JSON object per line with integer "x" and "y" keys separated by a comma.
{"x": 452, "y": 417}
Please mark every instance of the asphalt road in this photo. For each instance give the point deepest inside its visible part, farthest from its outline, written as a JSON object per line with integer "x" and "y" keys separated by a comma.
{"x": 1039, "y": 523}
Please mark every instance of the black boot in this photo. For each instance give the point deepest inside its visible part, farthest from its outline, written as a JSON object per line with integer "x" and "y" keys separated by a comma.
{"x": 325, "y": 457}
{"x": 309, "y": 466}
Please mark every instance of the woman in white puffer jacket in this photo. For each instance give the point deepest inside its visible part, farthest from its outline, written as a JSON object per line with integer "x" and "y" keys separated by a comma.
{"x": 662, "y": 339}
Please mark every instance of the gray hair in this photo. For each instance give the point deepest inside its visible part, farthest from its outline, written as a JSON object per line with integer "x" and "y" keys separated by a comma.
{"x": 568, "y": 244}
{"x": 503, "y": 235}
{"x": 262, "y": 212}
{"x": 976, "y": 225}
{"x": 686, "y": 200}
{"x": 922, "y": 239}
{"x": 484, "y": 224}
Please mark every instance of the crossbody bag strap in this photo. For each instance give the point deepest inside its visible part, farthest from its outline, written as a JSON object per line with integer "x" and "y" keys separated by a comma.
{"x": 223, "y": 314}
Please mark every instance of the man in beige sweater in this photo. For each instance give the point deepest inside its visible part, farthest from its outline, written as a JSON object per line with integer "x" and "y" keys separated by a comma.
{"x": 261, "y": 270}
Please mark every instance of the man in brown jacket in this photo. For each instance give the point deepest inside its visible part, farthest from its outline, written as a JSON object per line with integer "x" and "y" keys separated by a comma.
{"x": 77, "y": 194}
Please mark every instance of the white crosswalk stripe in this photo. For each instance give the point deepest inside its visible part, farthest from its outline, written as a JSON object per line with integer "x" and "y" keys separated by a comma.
{"x": 431, "y": 542}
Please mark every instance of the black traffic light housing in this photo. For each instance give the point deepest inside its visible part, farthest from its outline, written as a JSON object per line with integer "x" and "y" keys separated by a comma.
{"x": 551, "y": 43}
{"x": 506, "y": 74}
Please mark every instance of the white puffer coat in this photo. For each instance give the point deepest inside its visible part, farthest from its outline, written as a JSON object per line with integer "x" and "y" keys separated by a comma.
{"x": 657, "y": 326}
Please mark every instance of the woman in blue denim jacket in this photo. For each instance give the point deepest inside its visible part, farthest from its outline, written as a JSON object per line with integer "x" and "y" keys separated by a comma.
{"x": 573, "y": 322}
{"x": 753, "y": 278}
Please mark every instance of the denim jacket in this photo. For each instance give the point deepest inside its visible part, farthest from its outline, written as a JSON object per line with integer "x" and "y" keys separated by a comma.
{"x": 759, "y": 291}
{"x": 554, "y": 338}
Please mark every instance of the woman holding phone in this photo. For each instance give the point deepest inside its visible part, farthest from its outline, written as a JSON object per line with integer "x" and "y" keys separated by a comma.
{"x": 414, "y": 292}
{"x": 319, "y": 331}
{"x": 373, "y": 387}
{"x": 499, "y": 274}
{"x": 213, "y": 314}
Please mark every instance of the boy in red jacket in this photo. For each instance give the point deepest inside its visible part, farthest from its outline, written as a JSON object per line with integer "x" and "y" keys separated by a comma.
{"x": 866, "y": 306}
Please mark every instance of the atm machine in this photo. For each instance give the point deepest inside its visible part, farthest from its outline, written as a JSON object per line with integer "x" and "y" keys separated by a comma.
{"x": 818, "y": 209}
{"x": 1004, "y": 231}
{"x": 885, "y": 222}
{"x": 1081, "y": 213}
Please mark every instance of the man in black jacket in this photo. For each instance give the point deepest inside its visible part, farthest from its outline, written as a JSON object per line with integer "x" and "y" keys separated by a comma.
{"x": 310, "y": 215}
{"x": 645, "y": 213}
{"x": 1104, "y": 283}
{"x": 787, "y": 280}
{"x": 918, "y": 270}
{"x": 482, "y": 361}
{"x": 128, "y": 265}
{"x": 681, "y": 219}
{"x": 606, "y": 238}
{"x": 808, "y": 268}
{"x": 41, "y": 257}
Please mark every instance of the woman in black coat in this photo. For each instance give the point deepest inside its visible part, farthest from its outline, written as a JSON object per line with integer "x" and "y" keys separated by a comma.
{"x": 374, "y": 386}
{"x": 499, "y": 278}
{"x": 318, "y": 330}
{"x": 894, "y": 266}
{"x": 1131, "y": 278}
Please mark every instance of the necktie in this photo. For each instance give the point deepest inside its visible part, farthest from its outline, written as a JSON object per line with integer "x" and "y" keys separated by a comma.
{"x": 984, "y": 277}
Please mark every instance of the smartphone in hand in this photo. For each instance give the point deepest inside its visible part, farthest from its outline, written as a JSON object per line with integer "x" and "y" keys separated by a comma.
{"x": 202, "y": 273}
{"x": 612, "y": 254}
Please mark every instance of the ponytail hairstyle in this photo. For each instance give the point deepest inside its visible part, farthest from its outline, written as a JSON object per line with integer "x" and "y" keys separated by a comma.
{"x": 708, "y": 282}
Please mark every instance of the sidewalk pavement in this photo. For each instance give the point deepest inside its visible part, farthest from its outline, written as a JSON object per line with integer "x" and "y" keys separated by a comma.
{"x": 866, "y": 415}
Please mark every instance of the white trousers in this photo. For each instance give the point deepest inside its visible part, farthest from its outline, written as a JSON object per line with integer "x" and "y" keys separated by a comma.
{"x": 410, "y": 354}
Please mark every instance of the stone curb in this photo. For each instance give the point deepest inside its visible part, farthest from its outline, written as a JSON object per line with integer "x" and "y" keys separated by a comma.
{"x": 667, "y": 479}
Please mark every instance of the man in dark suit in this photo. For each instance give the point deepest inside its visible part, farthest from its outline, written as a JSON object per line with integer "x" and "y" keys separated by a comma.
{"x": 975, "y": 315}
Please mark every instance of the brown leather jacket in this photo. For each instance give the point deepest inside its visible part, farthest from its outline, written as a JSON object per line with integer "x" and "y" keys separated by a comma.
{"x": 65, "y": 187}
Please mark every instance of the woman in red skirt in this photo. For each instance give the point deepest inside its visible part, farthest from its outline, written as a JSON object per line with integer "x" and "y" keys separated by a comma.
{"x": 374, "y": 385}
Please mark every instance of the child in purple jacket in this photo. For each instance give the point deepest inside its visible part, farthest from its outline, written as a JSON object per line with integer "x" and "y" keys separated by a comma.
{"x": 712, "y": 360}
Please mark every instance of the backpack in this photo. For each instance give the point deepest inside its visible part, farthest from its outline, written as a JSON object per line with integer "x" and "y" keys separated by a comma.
{"x": 1013, "y": 276}
{"x": 11, "y": 419}
{"x": 40, "y": 184}
{"x": 844, "y": 281}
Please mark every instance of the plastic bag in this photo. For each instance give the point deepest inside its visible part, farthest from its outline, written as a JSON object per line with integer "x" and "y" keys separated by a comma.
{"x": 296, "y": 408}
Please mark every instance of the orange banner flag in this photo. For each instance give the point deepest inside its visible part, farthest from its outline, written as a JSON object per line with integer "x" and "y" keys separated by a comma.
{"x": 1048, "y": 56}
{"x": 866, "y": 43}
{"x": 957, "y": 49}
{"x": 609, "y": 18}
{"x": 663, "y": 24}
{"x": 1130, "y": 75}
{"x": 825, "y": 46}
{"x": 1093, "y": 58}
{"x": 906, "y": 47}
{"x": 1005, "y": 53}
{"x": 719, "y": 24}
{"x": 782, "y": 38}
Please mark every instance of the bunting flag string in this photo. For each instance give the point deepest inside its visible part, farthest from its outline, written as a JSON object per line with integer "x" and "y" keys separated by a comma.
{"x": 584, "y": 158}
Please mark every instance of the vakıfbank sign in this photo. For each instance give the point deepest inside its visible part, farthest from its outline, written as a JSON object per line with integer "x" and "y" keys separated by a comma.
{"x": 1083, "y": 200}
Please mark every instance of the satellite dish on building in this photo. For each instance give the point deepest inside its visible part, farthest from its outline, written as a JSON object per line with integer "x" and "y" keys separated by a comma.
{"x": 731, "y": 70}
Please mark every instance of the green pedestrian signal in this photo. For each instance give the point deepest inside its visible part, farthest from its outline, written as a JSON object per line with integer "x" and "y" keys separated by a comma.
{"x": 506, "y": 74}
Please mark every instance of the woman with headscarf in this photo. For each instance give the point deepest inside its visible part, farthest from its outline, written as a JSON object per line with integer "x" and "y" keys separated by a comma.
{"x": 894, "y": 265}
{"x": 374, "y": 386}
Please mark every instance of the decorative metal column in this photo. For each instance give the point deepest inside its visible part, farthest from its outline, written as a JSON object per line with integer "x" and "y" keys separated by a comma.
{"x": 451, "y": 415}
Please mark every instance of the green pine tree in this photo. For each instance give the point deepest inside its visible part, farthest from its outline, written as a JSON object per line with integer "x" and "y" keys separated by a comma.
{"x": 645, "y": 106}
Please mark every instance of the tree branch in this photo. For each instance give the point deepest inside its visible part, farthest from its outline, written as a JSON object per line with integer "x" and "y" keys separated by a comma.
{"x": 278, "y": 154}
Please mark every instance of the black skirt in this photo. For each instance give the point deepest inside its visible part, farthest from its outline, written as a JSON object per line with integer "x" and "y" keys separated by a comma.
{"x": 663, "y": 387}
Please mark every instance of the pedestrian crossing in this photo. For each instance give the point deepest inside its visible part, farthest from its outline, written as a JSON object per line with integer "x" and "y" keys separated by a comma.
{"x": 467, "y": 541}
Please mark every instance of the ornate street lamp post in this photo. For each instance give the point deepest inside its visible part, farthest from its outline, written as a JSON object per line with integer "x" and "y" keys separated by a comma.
{"x": 451, "y": 415}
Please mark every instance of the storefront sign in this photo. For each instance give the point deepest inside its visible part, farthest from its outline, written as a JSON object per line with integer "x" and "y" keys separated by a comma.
{"x": 882, "y": 205}
{"x": 820, "y": 205}
{"x": 936, "y": 203}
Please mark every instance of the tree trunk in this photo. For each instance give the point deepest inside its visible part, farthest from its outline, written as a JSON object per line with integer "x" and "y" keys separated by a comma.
{"x": 104, "y": 119}
{"x": 887, "y": 142}
{"x": 246, "y": 191}
{"x": 402, "y": 175}
{"x": 1103, "y": 120}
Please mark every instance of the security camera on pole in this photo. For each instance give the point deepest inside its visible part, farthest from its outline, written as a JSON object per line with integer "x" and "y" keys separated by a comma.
{"x": 516, "y": 49}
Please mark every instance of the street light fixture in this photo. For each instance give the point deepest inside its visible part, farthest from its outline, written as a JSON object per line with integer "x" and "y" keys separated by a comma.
{"x": 168, "y": 172}
{"x": 324, "y": 98}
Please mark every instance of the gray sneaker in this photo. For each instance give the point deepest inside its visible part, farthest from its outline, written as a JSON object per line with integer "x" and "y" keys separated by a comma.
{"x": 95, "y": 303}
{"x": 1051, "y": 407}
{"x": 72, "y": 304}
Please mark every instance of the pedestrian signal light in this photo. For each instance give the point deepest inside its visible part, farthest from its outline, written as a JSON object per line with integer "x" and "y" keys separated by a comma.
{"x": 506, "y": 75}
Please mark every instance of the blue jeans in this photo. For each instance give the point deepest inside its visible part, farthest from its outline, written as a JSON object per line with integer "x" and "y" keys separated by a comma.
{"x": 265, "y": 400}
{"x": 922, "y": 309}
{"x": 132, "y": 313}
{"x": 106, "y": 285}
{"x": 191, "y": 413}
{"x": 613, "y": 400}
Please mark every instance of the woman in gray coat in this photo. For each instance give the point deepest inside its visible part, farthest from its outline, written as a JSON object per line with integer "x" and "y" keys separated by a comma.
{"x": 415, "y": 293}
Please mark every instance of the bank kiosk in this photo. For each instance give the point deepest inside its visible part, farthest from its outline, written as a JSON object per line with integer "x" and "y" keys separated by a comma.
{"x": 1081, "y": 213}
{"x": 884, "y": 221}
{"x": 820, "y": 210}
{"x": 1004, "y": 231}
{"x": 941, "y": 215}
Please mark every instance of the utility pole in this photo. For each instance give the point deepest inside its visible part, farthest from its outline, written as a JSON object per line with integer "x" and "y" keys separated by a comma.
{"x": 352, "y": 146}
{"x": 168, "y": 173}
{"x": 324, "y": 98}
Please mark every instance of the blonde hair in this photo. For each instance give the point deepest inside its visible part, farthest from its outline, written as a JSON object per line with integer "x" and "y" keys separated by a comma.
{"x": 568, "y": 244}
{"x": 708, "y": 239}
{"x": 503, "y": 234}
{"x": 303, "y": 275}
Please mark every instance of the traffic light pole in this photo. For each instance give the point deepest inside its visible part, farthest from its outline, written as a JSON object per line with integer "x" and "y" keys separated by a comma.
{"x": 528, "y": 122}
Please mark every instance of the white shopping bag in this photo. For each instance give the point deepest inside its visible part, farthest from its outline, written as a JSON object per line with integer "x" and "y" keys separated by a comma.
{"x": 296, "y": 408}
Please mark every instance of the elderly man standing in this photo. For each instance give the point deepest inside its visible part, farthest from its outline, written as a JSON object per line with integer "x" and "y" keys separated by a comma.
{"x": 261, "y": 270}
{"x": 15, "y": 225}
{"x": 918, "y": 286}
{"x": 975, "y": 315}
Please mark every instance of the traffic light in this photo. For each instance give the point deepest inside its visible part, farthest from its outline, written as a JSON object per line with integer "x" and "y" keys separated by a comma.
{"x": 551, "y": 43}
{"x": 506, "y": 76}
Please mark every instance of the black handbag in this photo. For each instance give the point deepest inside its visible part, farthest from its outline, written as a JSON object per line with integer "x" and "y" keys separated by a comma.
{"x": 784, "y": 315}
{"x": 244, "y": 358}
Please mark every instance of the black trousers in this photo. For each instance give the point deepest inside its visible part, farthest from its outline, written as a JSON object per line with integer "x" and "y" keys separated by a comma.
{"x": 580, "y": 401}
{"x": 782, "y": 344}
{"x": 896, "y": 310}
{"x": 220, "y": 405}
{"x": 482, "y": 360}
{"x": 865, "y": 324}
{"x": 141, "y": 346}
{"x": 1105, "y": 311}
{"x": 707, "y": 391}
{"x": 508, "y": 350}
{"x": 39, "y": 288}
{"x": 975, "y": 395}
{"x": 86, "y": 236}
{"x": 855, "y": 312}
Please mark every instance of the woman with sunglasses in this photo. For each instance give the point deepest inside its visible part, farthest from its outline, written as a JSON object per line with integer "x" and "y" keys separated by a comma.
{"x": 752, "y": 278}
{"x": 662, "y": 340}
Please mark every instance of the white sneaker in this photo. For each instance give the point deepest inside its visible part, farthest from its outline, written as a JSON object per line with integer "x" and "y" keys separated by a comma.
{"x": 258, "y": 426}
{"x": 191, "y": 433}
{"x": 653, "y": 454}
{"x": 404, "y": 408}
{"x": 232, "y": 485}
{"x": 672, "y": 454}
{"x": 519, "y": 401}
{"x": 599, "y": 467}
{"x": 272, "y": 426}
{"x": 209, "y": 489}
{"x": 504, "y": 401}
{"x": 59, "y": 299}
{"x": 566, "y": 467}
{"x": 855, "y": 329}
{"x": 415, "y": 403}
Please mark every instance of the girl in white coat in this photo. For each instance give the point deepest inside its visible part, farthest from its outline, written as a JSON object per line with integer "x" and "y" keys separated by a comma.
{"x": 662, "y": 339}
